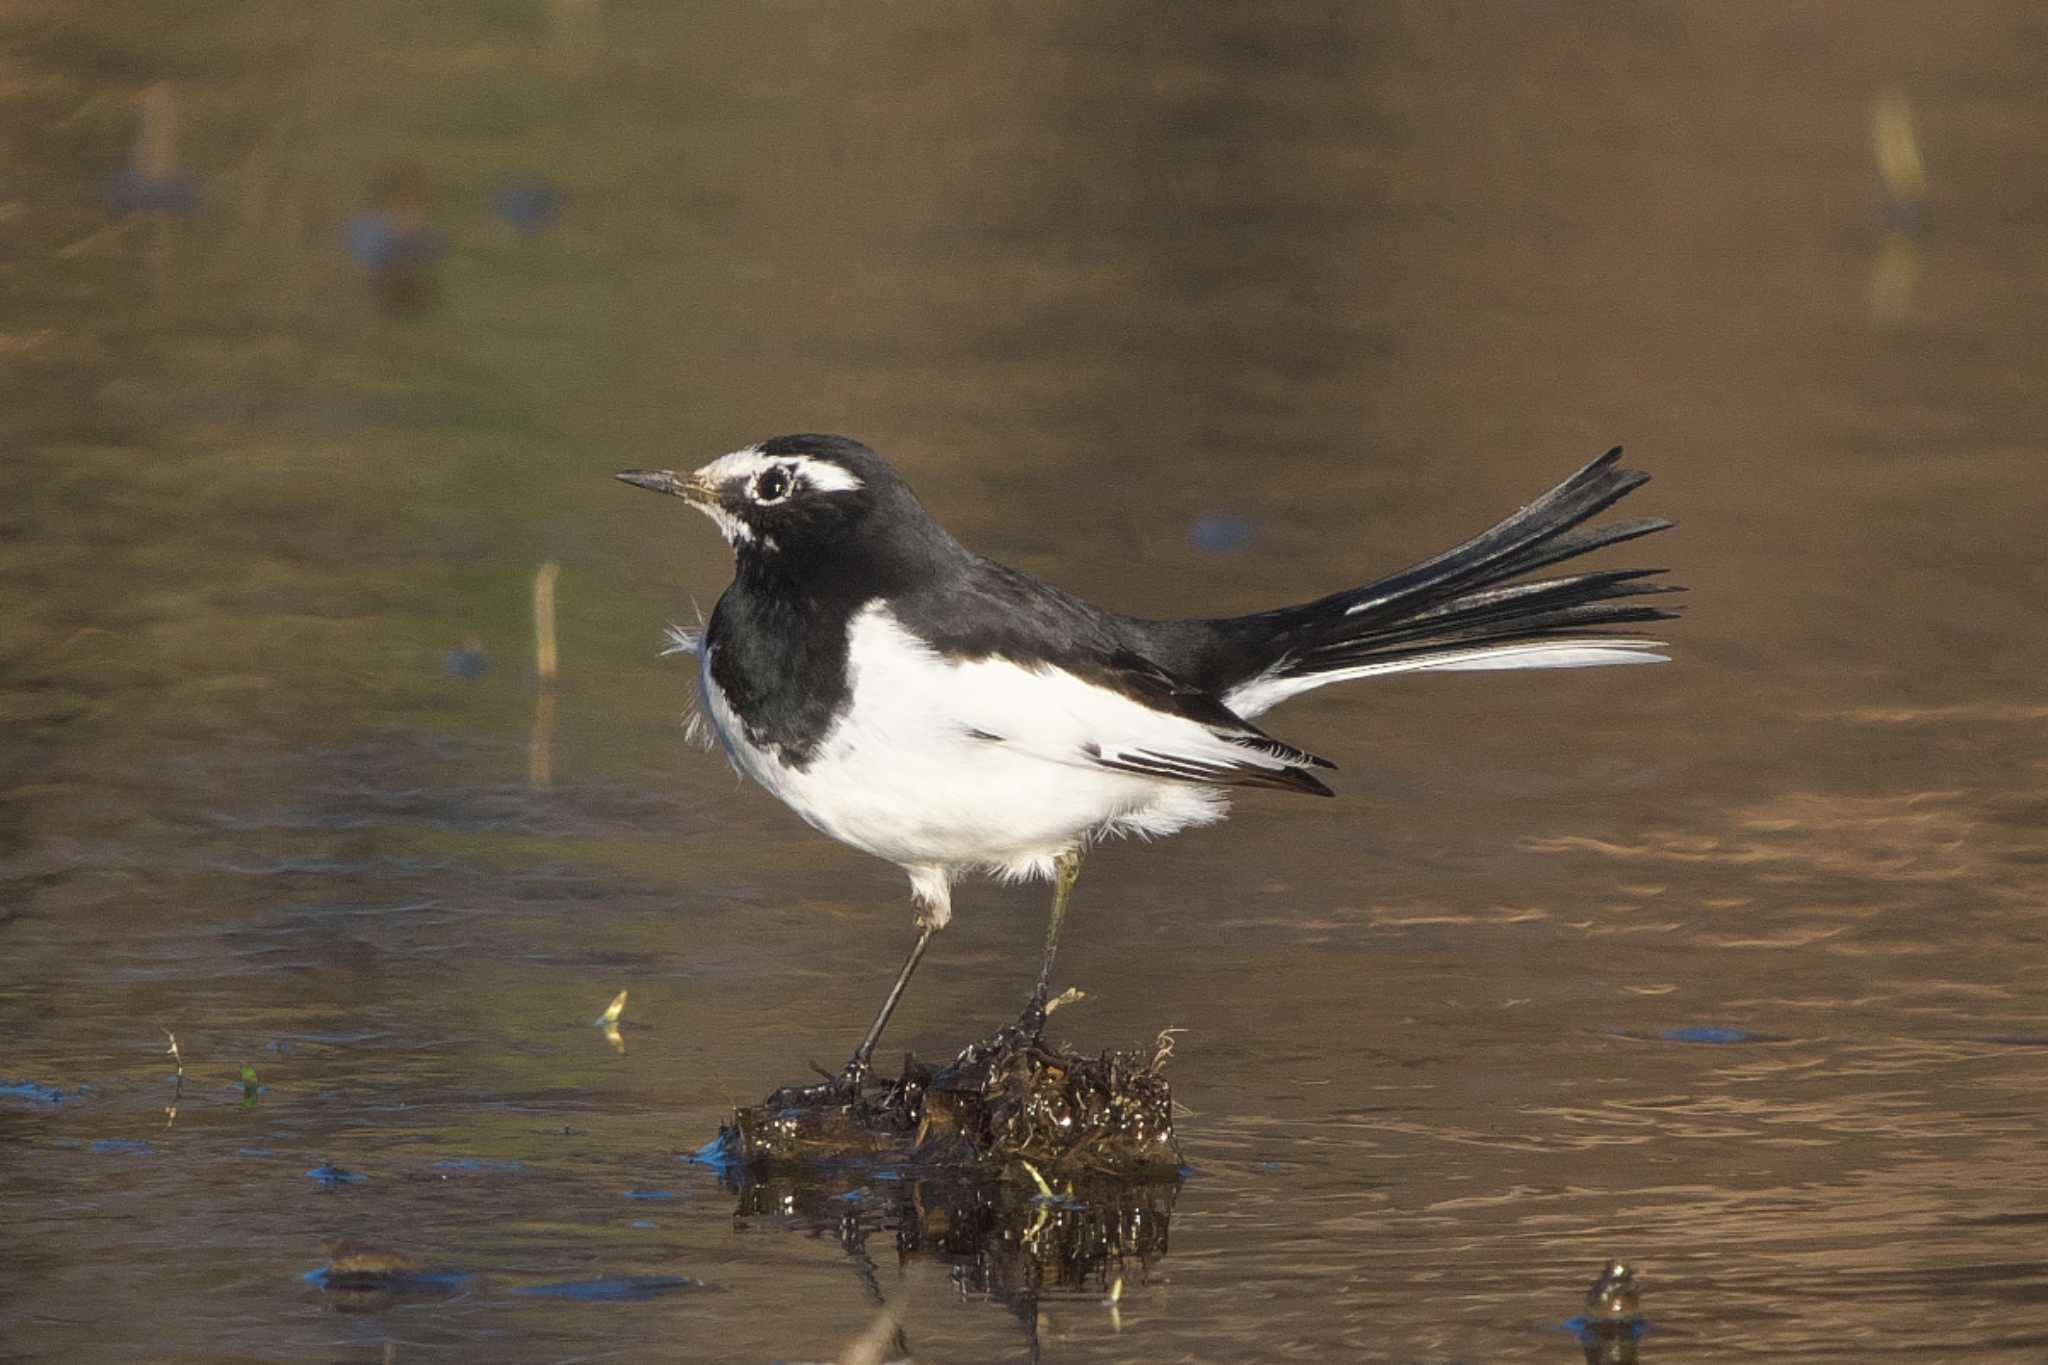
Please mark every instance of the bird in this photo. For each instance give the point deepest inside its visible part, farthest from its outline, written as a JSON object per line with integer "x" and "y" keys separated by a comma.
{"x": 934, "y": 708}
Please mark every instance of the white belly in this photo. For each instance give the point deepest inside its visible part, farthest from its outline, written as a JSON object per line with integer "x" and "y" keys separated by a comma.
{"x": 903, "y": 775}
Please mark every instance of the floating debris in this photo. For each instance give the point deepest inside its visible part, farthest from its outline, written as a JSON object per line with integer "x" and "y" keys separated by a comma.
{"x": 1006, "y": 1099}
{"x": 1616, "y": 1295}
{"x": 1613, "y": 1321}
{"x": 359, "y": 1277}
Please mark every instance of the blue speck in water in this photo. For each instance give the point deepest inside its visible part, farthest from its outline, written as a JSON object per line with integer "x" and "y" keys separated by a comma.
{"x": 630, "y": 1289}
{"x": 641, "y": 1223}
{"x": 331, "y": 1174}
{"x": 121, "y": 1147}
{"x": 529, "y": 205}
{"x": 468, "y": 660}
{"x": 650, "y": 1194}
{"x": 717, "y": 1154}
{"x": 1707, "y": 1034}
{"x": 255, "y": 1151}
{"x": 1219, "y": 533}
{"x": 1267, "y": 1166}
{"x": 378, "y": 242}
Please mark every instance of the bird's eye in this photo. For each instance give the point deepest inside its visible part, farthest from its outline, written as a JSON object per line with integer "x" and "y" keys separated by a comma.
{"x": 773, "y": 485}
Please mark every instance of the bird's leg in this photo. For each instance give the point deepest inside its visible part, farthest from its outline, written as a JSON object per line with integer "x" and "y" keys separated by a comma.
{"x": 1066, "y": 871}
{"x": 846, "y": 1086}
{"x": 856, "y": 1070}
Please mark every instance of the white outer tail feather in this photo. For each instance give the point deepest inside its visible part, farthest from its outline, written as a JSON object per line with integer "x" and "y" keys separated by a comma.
{"x": 1270, "y": 688}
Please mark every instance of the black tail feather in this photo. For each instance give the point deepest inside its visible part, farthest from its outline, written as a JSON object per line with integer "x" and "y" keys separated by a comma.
{"x": 1461, "y": 600}
{"x": 1575, "y": 543}
{"x": 1515, "y": 545}
{"x": 1522, "y": 607}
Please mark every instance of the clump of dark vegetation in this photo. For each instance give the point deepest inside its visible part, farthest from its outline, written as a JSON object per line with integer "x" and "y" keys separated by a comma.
{"x": 1008, "y": 1098}
{"x": 360, "y": 1267}
{"x": 360, "y": 1278}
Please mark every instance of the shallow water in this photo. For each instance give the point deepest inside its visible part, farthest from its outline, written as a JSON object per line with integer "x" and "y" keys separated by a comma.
{"x": 1732, "y": 968}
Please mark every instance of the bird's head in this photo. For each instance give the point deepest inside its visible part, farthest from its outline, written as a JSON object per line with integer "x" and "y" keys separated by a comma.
{"x": 795, "y": 497}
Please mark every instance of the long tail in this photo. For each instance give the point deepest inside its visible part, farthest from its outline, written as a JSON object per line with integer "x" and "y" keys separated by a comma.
{"x": 1460, "y": 610}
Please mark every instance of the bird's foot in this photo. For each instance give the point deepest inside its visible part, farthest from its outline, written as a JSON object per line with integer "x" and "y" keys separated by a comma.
{"x": 843, "y": 1088}
{"x": 1030, "y": 1025}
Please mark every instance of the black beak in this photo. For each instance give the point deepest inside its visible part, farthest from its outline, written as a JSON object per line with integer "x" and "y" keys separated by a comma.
{"x": 686, "y": 486}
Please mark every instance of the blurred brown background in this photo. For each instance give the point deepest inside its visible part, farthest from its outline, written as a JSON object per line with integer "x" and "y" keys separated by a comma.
{"x": 324, "y": 327}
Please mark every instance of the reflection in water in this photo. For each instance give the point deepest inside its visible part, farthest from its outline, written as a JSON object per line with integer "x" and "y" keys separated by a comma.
{"x": 1001, "y": 1239}
{"x": 1611, "y": 1343}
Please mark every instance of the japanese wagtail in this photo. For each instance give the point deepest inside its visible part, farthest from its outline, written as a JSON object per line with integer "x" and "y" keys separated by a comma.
{"x": 934, "y": 708}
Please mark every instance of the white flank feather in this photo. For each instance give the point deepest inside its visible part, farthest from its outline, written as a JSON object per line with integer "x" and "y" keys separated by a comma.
{"x": 944, "y": 767}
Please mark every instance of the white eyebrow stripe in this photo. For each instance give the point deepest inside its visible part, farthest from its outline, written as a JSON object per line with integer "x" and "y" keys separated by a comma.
{"x": 745, "y": 464}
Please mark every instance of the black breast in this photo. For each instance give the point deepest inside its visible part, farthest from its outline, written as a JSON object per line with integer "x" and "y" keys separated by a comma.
{"x": 780, "y": 662}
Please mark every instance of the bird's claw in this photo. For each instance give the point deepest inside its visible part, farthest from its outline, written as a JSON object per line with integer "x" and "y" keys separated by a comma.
{"x": 1030, "y": 1025}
